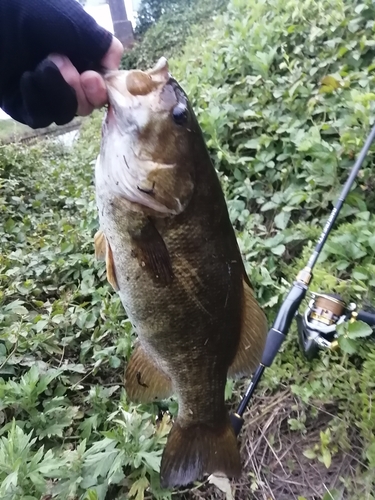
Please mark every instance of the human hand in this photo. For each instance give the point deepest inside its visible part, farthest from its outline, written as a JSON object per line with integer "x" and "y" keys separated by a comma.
{"x": 89, "y": 86}
{"x": 51, "y": 53}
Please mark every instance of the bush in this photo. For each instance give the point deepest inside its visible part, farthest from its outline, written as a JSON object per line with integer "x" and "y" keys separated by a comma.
{"x": 285, "y": 105}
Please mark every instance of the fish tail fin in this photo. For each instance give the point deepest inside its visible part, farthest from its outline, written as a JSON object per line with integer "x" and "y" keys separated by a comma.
{"x": 195, "y": 450}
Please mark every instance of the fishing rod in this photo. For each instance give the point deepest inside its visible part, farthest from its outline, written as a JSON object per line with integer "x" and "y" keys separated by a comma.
{"x": 291, "y": 304}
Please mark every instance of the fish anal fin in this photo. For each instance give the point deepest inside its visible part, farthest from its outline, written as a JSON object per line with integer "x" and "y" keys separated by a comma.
{"x": 196, "y": 450}
{"x": 254, "y": 330}
{"x": 100, "y": 245}
{"x": 152, "y": 254}
{"x": 145, "y": 382}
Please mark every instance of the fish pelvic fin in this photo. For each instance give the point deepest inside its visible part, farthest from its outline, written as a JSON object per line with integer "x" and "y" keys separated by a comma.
{"x": 196, "y": 450}
{"x": 254, "y": 330}
{"x": 103, "y": 251}
{"x": 145, "y": 382}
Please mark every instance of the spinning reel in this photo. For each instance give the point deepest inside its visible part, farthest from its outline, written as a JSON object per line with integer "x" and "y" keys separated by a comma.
{"x": 317, "y": 327}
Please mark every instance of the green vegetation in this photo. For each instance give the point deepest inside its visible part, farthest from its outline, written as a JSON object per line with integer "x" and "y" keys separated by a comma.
{"x": 167, "y": 37}
{"x": 150, "y": 11}
{"x": 283, "y": 91}
{"x": 64, "y": 338}
{"x": 285, "y": 105}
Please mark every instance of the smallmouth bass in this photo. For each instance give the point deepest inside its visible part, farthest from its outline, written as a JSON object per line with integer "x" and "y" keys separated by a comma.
{"x": 172, "y": 256}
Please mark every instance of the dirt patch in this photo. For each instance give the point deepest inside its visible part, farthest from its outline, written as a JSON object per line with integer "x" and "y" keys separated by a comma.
{"x": 275, "y": 467}
{"x": 273, "y": 453}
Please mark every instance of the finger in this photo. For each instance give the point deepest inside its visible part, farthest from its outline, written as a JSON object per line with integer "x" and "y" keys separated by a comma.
{"x": 94, "y": 88}
{"x": 112, "y": 58}
{"x": 93, "y": 84}
{"x": 72, "y": 77}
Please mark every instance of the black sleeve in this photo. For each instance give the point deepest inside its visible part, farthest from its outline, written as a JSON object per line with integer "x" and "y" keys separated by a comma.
{"x": 32, "y": 90}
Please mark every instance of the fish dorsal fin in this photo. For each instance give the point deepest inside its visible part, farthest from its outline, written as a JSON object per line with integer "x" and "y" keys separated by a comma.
{"x": 145, "y": 382}
{"x": 103, "y": 251}
{"x": 254, "y": 330}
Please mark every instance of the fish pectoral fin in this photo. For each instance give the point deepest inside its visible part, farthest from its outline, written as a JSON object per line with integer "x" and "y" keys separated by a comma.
{"x": 110, "y": 265}
{"x": 195, "y": 450}
{"x": 145, "y": 382}
{"x": 254, "y": 330}
{"x": 100, "y": 245}
{"x": 152, "y": 253}
{"x": 103, "y": 251}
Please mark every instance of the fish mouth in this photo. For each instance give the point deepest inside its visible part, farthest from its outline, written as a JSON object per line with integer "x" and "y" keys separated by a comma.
{"x": 133, "y": 94}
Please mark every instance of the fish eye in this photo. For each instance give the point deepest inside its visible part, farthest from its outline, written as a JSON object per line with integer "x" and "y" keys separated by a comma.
{"x": 180, "y": 114}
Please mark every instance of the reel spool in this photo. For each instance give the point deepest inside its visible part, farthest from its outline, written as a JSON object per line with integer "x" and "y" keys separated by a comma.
{"x": 317, "y": 327}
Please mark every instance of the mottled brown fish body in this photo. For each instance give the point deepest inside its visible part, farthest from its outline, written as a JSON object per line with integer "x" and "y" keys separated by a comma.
{"x": 173, "y": 257}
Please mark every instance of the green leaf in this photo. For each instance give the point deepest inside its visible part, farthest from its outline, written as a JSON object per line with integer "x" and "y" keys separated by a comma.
{"x": 278, "y": 250}
{"x": 114, "y": 361}
{"x": 347, "y": 345}
{"x": 359, "y": 329}
{"x": 9, "y": 482}
{"x": 138, "y": 488}
{"x": 309, "y": 454}
{"x": 281, "y": 220}
{"x": 16, "y": 307}
{"x": 270, "y": 205}
{"x": 326, "y": 456}
{"x": 360, "y": 273}
{"x": 331, "y": 82}
{"x": 91, "y": 495}
{"x": 152, "y": 459}
{"x": 251, "y": 144}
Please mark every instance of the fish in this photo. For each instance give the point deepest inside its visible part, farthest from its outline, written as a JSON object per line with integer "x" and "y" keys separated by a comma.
{"x": 172, "y": 256}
